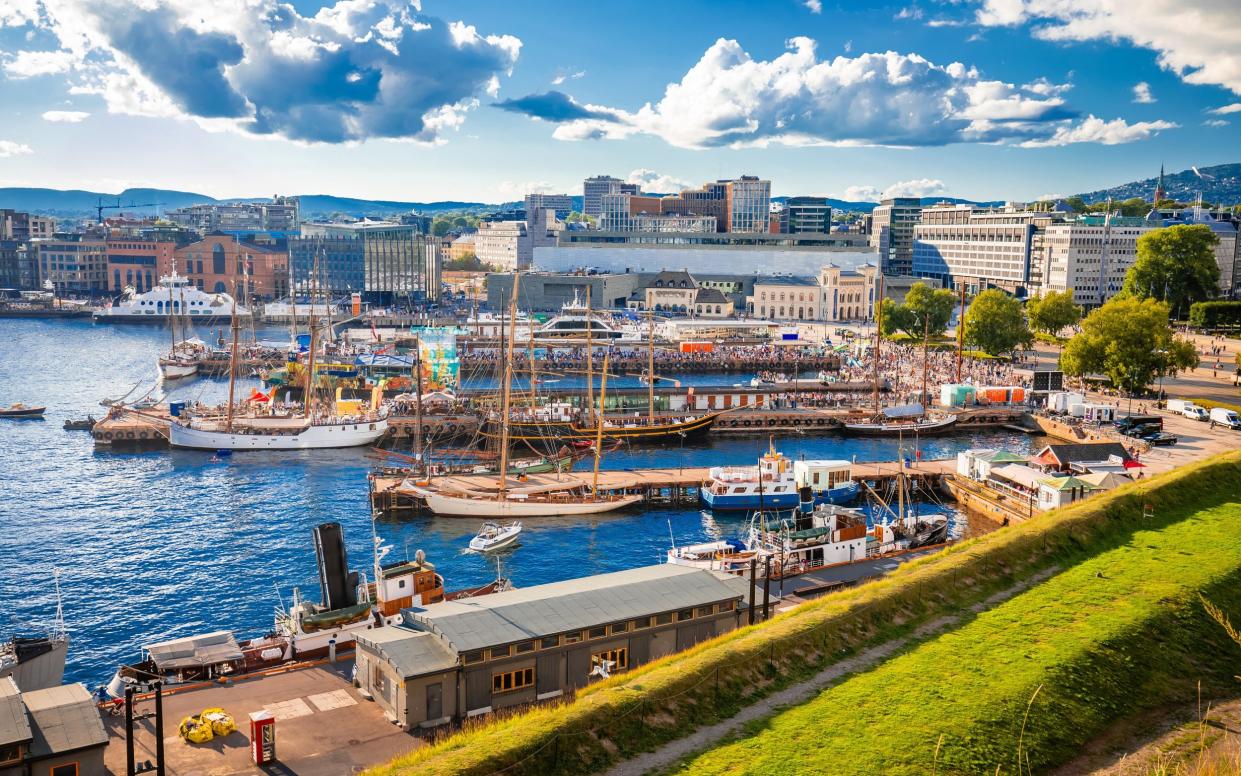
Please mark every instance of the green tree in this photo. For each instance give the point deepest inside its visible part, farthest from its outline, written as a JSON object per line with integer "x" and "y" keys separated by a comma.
{"x": 441, "y": 227}
{"x": 1053, "y": 311}
{"x": 896, "y": 317}
{"x": 995, "y": 323}
{"x": 1175, "y": 265}
{"x": 1130, "y": 341}
{"x": 925, "y": 310}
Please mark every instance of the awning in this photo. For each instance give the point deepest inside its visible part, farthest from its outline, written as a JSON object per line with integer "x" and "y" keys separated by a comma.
{"x": 195, "y": 651}
{"x": 905, "y": 411}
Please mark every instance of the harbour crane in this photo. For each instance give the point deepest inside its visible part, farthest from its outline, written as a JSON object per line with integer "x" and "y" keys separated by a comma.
{"x": 100, "y": 207}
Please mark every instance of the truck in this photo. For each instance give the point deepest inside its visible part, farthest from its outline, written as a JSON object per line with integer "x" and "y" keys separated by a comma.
{"x": 1188, "y": 409}
{"x": 1226, "y": 418}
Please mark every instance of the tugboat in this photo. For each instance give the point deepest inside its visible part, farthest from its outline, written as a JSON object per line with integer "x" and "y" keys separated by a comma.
{"x": 775, "y": 481}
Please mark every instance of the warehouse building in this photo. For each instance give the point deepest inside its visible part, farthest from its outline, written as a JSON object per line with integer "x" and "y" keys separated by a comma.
{"x": 472, "y": 656}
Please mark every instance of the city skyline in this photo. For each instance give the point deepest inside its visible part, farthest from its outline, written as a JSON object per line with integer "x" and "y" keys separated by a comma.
{"x": 379, "y": 99}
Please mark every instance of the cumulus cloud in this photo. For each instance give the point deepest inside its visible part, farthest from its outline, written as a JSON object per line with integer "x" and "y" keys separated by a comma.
{"x": 1197, "y": 41}
{"x": 65, "y": 116}
{"x": 814, "y": 6}
{"x": 649, "y": 180}
{"x": 911, "y": 12}
{"x": 920, "y": 187}
{"x": 10, "y": 148}
{"x": 1096, "y": 130}
{"x": 1216, "y": 123}
{"x": 355, "y": 70}
{"x": 1142, "y": 93}
{"x": 28, "y": 64}
{"x": 1224, "y": 110}
{"x": 519, "y": 189}
{"x": 875, "y": 99}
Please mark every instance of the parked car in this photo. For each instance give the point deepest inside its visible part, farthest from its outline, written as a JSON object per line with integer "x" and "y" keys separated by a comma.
{"x": 1160, "y": 438}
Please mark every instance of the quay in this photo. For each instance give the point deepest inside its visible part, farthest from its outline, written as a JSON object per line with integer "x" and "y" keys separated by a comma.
{"x": 672, "y": 485}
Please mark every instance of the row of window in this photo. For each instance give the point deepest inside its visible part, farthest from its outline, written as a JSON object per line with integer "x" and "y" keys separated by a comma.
{"x": 521, "y": 678}
{"x": 597, "y": 632}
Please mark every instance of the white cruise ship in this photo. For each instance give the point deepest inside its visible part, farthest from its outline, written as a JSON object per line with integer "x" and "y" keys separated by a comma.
{"x": 166, "y": 300}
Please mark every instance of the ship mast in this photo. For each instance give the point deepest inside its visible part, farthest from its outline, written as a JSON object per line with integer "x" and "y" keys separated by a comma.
{"x": 308, "y": 398}
{"x": 878, "y": 338}
{"x": 603, "y": 391}
{"x": 590, "y": 358}
{"x": 926, "y": 344}
{"x": 232, "y": 368}
{"x": 418, "y": 451}
{"x": 507, "y": 393}
{"x": 650, "y": 367}
{"x": 960, "y": 332}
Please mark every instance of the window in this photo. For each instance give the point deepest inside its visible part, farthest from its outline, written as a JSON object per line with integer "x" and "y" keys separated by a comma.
{"x": 663, "y": 619}
{"x": 685, "y": 614}
{"x": 598, "y": 633}
{"x": 645, "y": 622}
{"x": 217, "y": 259}
{"x": 704, "y": 611}
{"x": 619, "y": 627}
{"x": 469, "y": 658}
{"x": 727, "y": 606}
{"x": 573, "y": 638}
{"x": 550, "y": 642}
{"x": 505, "y": 651}
{"x": 512, "y": 680}
{"x": 67, "y": 769}
{"x": 525, "y": 646}
{"x": 618, "y": 656}
{"x": 11, "y": 754}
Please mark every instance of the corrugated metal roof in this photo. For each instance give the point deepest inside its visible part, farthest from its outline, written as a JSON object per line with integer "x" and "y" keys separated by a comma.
{"x": 194, "y": 651}
{"x": 543, "y": 610}
{"x": 411, "y": 652}
{"x": 13, "y": 724}
{"x": 64, "y": 719}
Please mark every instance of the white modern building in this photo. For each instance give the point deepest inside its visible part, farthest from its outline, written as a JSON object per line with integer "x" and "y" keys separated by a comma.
{"x": 1091, "y": 256}
{"x": 596, "y": 187}
{"x": 978, "y": 247}
{"x": 509, "y": 244}
{"x": 892, "y": 233}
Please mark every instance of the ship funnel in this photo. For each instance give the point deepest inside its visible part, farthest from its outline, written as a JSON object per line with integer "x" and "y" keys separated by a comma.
{"x": 333, "y": 567}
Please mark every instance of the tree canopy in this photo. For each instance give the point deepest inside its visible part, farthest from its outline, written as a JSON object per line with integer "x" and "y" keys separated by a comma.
{"x": 1175, "y": 265}
{"x": 1130, "y": 341}
{"x": 925, "y": 310}
{"x": 995, "y": 323}
{"x": 1053, "y": 311}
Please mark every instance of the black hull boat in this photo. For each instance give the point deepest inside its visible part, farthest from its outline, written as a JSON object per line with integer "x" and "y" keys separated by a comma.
{"x": 22, "y": 412}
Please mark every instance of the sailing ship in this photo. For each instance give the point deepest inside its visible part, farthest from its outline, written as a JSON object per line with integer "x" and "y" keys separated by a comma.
{"x": 774, "y": 483}
{"x": 185, "y": 355}
{"x": 156, "y": 305}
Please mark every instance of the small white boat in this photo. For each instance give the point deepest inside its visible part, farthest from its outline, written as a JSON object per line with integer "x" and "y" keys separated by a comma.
{"x": 493, "y": 536}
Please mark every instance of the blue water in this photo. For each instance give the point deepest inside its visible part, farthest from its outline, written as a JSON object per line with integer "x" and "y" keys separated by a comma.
{"x": 161, "y": 544}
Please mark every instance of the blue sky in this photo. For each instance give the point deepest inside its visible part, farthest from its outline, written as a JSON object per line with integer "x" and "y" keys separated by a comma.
{"x": 989, "y": 99}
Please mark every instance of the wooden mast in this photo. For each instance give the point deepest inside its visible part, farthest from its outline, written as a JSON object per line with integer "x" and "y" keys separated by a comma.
{"x": 418, "y": 451}
{"x": 926, "y": 341}
{"x": 508, "y": 379}
{"x": 232, "y": 369}
{"x": 309, "y": 397}
{"x": 650, "y": 367}
{"x": 960, "y": 332}
{"x": 590, "y": 358}
{"x": 603, "y": 391}
{"x": 878, "y": 338}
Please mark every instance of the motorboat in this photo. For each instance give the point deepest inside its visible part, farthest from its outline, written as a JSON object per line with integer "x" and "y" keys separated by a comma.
{"x": 174, "y": 296}
{"x": 21, "y": 411}
{"x": 775, "y": 483}
{"x": 728, "y": 555}
{"x": 574, "y": 322}
{"x": 493, "y": 536}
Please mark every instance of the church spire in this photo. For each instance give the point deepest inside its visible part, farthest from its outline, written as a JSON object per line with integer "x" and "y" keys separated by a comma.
{"x": 1160, "y": 191}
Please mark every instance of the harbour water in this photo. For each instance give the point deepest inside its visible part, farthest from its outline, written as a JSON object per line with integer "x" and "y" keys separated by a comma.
{"x": 153, "y": 545}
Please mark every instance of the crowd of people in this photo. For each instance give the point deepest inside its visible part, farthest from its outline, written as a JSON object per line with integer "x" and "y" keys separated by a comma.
{"x": 738, "y": 358}
{"x": 901, "y": 367}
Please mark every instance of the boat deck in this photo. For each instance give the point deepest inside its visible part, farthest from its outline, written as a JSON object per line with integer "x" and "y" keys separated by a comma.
{"x": 323, "y": 726}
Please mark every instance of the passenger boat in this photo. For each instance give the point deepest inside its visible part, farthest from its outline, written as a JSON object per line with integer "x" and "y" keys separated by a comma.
{"x": 158, "y": 306}
{"x": 21, "y": 411}
{"x": 775, "y": 481}
{"x": 306, "y": 630}
{"x": 493, "y": 536}
{"x": 576, "y": 321}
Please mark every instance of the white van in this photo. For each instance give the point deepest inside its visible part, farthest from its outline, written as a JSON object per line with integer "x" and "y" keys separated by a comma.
{"x": 1226, "y": 418}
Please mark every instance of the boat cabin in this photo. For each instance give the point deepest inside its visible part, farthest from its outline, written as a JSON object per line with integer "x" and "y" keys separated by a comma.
{"x": 822, "y": 475}
{"x": 406, "y": 584}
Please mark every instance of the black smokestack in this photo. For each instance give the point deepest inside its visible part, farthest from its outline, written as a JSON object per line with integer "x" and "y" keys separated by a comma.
{"x": 333, "y": 567}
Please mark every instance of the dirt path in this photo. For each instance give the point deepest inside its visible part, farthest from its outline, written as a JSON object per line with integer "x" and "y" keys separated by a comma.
{"x": 801, "y": 692}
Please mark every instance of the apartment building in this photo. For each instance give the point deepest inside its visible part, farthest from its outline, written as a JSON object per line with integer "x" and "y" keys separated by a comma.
{"x": 21, "y": 226}
{"x": 1091, "y": 255}
{"x": 509, "y": 244}
{"x": 596, "y": 187}
{"x": 892, "y": 233}
{"x": 282, "y": 215}
{"x": 561, "y": 203}
{"x": 75, "y": 266}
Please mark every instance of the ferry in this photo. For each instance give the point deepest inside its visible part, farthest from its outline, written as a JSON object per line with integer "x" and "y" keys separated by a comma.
{"x": 166, "y": 300}
{"x": 574, "y": 321}
{"x": 775, "y": 481}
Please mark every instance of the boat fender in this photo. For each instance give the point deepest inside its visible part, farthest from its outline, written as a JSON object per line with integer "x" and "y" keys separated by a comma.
{"x": 142, "y": 435}
{"x": 129, "y": 435}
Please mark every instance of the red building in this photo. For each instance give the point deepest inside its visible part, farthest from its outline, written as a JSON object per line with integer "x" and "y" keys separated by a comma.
{"x": 138, "y": 263}
{"x": 218, "y": 262}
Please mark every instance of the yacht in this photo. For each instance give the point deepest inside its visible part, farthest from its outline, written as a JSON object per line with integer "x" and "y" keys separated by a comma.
{"x": 774, "y": 483}
{"x": 174, "y": 296}
{"x": 575, "y": 320}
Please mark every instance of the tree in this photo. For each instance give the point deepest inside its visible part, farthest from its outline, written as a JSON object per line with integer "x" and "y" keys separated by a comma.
{"x": 467, "y": 263}
{"x": 995, "y": 323}
{"x": 1175, "y": 265}
{"x": 441, "y": 227}
{"x": 925, "y": 310}
{"x": 1130, "y": 341}
{"x": 896, "y": 317}
{"x": 1053, "y": 311}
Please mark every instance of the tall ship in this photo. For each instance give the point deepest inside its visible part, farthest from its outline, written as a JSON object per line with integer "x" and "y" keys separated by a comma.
{"x": 774, "y": 483}
{"x": 173, "y": 296}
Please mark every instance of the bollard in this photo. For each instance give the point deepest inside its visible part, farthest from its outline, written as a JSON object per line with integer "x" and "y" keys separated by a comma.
{"x": 331, "y": 650}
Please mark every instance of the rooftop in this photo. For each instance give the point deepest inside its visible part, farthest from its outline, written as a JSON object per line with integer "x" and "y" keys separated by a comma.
{"x": 65, "y": 719}
{"x": 411, "y": 653}
{"x": 14, "y": 727}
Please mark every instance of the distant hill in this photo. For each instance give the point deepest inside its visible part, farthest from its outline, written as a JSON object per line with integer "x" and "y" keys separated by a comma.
{"x": 845, "y": 206}
{"x": 76, "y": 202}
{"x": 1220, "y": 184}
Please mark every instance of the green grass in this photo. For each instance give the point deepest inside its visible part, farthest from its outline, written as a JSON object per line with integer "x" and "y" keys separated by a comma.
{"x": 1116, "y": 633}
{"x": 666, "y": 699}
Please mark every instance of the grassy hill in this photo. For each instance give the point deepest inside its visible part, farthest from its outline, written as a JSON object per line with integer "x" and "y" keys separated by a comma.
{"x": 1220, "y": 184}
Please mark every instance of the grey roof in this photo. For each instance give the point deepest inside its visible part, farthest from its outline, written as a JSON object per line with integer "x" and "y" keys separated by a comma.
{"x": 65, "y": 719}
{"x": 543, "y": 610}
{"x": 787, "y": 280}
{"x": 673, "y": 278}
{"x": 1091, "y": 451}
{"x": 14, "y": 727}
{"x": 411, "y": 652}
{"x": 195, "y": 651}
{"x": 710, "y": 296}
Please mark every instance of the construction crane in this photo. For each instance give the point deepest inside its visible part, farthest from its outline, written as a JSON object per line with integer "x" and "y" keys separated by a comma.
{"x": 100, "y": 207}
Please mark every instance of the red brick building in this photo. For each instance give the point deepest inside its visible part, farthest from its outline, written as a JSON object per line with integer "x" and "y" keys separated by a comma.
{"x": 218, "y": 262}
{"x": 139, "y": 263}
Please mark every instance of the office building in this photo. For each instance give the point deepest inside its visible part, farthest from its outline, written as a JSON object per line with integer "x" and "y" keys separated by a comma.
{"x": 247, "y": 268}
{"x": 282, "y": 215}
{"x": 980, "y": 247}
{"x": 17, "y": 225}
{"x": 509, "y": 243}
{"x": 462, "y": 247}
{"x": 892, "y": 233}
{"x": 339, "y": 260}
{"x": 596, "y": 187}
{"x": 632, "y": 213}
{"x": 748, "y": 204}
{"x": 1225, "y": 225}
{"x": 561, "y": 203}
{"x": 137, "y": 263}
{"x": 400, "y": 263}
{"x": 1091, "y": 255}
{"x": 453, "y": 660}
{"x": 75, "y": 266}
{"x": 805, "y": 215}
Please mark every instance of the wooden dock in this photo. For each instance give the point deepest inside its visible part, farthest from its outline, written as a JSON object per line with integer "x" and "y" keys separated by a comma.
{"x": 673, "y": 485}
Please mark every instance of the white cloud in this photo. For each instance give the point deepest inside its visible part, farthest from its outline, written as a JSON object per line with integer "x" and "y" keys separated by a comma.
{"x": 874, "y": 99}
{"x": 561, "y": 77}
{"x": 1216, "y": 123}
{"x": 352, "y": 71}
{"x": 1049, "y": 197}
{"x": 920, "y": 187}
{"x": 1142, "y": 93}
{"x": 65, "y": 116}
{"x": 1096, "y": 130}
{"x": 9, "y": 148}
{"x": 649, "y": 180}
{"x": 518, "y": 189}
{"x": 558, "y": 80}
{"x": 814, "y": 6}
{"x": 1224, "y": 110}
{"x": 1196, "y": 40}
{"x": 912, "y": 12}
{"x": 28, "y": 64}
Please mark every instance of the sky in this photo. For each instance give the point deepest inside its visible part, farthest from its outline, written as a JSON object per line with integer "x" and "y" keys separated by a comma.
{"x": 486, "y": 101}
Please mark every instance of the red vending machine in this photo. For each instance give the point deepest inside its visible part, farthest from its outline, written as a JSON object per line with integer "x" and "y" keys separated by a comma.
{"x": 262, "y": 737}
